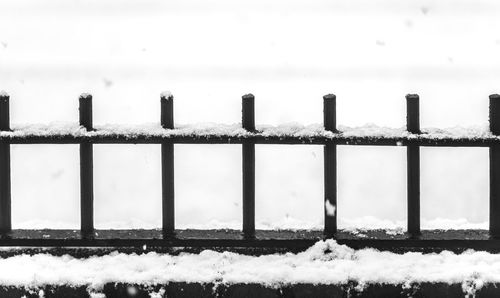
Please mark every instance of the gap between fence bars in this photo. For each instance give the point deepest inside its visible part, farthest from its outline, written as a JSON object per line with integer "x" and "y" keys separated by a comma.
{"x": 248, "y": 167}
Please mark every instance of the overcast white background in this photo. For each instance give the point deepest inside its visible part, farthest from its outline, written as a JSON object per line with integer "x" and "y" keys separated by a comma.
{"x": 209, "y": 53}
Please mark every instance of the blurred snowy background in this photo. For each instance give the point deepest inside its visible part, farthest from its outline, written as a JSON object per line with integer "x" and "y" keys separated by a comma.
{"x": 370, "y": 53}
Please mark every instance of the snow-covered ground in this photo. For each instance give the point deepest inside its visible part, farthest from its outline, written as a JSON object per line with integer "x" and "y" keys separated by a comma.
{"x": 324, "y": 263}
{"x": 289, "y": 53}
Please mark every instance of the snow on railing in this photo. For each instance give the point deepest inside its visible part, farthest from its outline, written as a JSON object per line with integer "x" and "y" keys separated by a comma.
{"x": 248, "y": 134}
{"x": 291, "y": 133}
{"x": 207, "y": 130}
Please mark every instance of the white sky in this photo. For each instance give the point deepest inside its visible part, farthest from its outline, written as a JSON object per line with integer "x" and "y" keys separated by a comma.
{"x": 289, "y": 54}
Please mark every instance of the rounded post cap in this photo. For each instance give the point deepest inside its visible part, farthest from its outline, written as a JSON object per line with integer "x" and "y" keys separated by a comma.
{"x": 4, "y": 95}
{"x": 329, "y": 97}
{"x": 166, "y": 95}
{"x": 412, "y": 96}
{"x": 86, "y": 95}
{"x": 248, "y": 96}
{"x": 495, "y": 96}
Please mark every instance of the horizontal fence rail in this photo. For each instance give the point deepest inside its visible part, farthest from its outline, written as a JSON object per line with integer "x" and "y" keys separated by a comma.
{"x": 168, "y": 236}
{"x": 255, "y": 138}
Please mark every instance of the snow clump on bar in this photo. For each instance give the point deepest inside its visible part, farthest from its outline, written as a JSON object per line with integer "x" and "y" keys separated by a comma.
{"x": 166, "y": 94}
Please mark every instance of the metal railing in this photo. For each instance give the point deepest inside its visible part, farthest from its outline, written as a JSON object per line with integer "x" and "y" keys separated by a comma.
{"x": 248, "y": 236}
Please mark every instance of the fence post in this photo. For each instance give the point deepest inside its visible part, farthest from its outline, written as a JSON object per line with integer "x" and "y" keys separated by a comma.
{"x": 330, "y": 166}
{"x": 86, "y": 168}
{"x": 413, "y": 165}
{"x": 248, "y": 157}
{"x": 494, "y": 117}
{"x": 167, "y": 166}
{"x": 5, "y": 187}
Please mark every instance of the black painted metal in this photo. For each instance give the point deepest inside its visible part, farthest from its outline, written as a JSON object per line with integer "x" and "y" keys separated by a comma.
{"x": 330, "y": 166}
{"x": 248, "y": 112}
{"x": 330, "y": 112}
{"x": 330, "y": 173}
{"x": 289, "y": 240}
{"x": 434, "y": 240}
{"x": 248, "y": 157}
{"x": 86, "y": 168}
{"x": 5, "y": 196}
{"x": 413, "y": 165}
{"x": 494, "y": 116}
{"x": 167, "y": 167}
{"x": 412, "y": 113}
{"x": 413, "y": 188}
{"x": 167, "y": 183}
{"x": 237, "y": 290}
{"x": 258, "y": 138}
{"x": 495, "y": 190}
{"x": 167, "y": 111}
{"x": 4, "y": 112}
{"x": 248, "y": 166}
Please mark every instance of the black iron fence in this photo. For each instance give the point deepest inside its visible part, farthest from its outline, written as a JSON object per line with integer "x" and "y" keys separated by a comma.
{"x": 168, "y": 236}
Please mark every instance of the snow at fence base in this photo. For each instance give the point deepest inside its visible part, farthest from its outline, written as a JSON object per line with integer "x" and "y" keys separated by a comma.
{"x": 324, "y": 263}
{"x": 235, "y": 130}
{"x": 355, "y": 225}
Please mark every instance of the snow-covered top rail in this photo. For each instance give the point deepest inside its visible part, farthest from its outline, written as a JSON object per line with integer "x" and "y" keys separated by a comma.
{"x": 234, "y": 133}
{"x": 292, "y": 133}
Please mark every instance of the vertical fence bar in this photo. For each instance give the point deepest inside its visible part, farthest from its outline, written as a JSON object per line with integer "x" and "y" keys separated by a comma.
{"x": 494, "y": 116}
{"x": 167, "y": 166}
{"x": 413, "y": 165}
{"x": 248, "y": 157}
{"x": 86, "y": 168}
{"x": 330, "y": 166}
{"x": 5, "y": 188}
